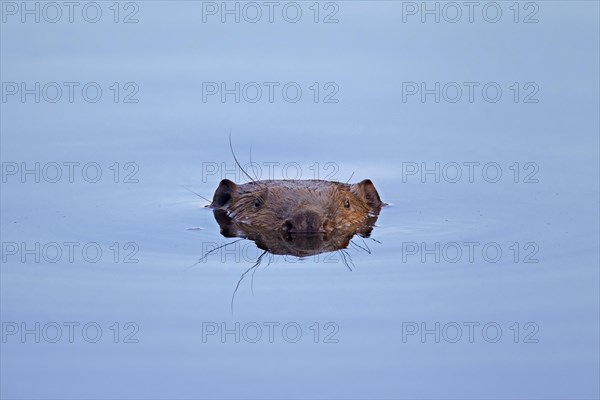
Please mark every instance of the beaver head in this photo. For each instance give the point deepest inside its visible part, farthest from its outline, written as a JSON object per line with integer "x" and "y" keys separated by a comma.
{"x": 319, "y": 214}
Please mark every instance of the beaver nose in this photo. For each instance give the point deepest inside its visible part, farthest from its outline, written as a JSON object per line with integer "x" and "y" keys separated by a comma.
{"x": 305, "y": 222}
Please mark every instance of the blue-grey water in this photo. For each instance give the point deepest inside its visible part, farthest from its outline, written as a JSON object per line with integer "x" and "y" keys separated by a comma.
{"x": 480, "y": 280}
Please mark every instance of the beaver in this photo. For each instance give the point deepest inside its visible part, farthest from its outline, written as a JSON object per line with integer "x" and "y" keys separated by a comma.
{"x": 296, "y": 217}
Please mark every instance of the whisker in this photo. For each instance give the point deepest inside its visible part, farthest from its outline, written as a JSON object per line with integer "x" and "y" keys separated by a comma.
{"x": 242, "y": 278}
{"x": 365, "y": 243}
{"x": 251, "y": 163}
{"x": 350, "y": 177}
{"x": 252, "y": 281}
{"x": 211, "y": 252}
{"x": 375, "y": 240}
{"x": 270, "y": 259}
{"x": 199, "y": 195}
{"x": 360, "y": 247}
{"x": 341, "y": 252}
{"x": 349, "y": 258}
{"x": 237, "y": 162}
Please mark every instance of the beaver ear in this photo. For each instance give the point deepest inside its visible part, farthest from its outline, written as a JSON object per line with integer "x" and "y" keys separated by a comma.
{"x": 366, "y": 191}
{"x": 223, "y": 193}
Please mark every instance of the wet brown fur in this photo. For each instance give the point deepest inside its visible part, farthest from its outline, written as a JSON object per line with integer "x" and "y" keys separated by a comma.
{"x": 318, "y": 214}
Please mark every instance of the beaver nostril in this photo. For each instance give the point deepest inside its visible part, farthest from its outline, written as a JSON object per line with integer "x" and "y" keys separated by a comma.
{"x": 288, "y": 226}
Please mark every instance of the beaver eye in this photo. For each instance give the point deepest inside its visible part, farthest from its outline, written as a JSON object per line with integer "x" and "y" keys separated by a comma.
{"x": 347, "y": 204}
{"x": 257, "y": 203}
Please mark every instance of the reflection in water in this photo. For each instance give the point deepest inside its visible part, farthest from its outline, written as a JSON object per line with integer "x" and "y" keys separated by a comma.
{"x": 296, "y": 217}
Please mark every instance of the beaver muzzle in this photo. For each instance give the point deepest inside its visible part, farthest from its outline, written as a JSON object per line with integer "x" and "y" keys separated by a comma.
{"x": 306, "y": 222}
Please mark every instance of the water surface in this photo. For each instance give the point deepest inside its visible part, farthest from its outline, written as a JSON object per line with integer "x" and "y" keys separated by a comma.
{"x": 425, "y": 268}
